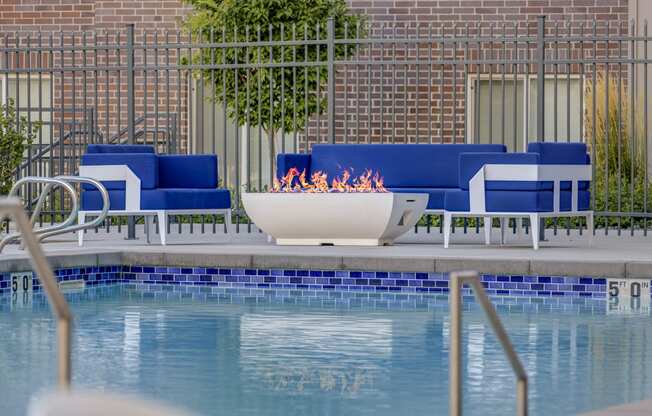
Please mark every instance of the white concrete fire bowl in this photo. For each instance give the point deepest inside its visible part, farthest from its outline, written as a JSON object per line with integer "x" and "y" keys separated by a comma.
{"x": 360, "y": 219}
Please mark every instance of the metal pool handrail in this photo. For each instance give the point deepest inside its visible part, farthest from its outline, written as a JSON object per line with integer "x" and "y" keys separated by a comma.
{"x": 50, "y": 183}
{"x": 14, "y": 208}
{"x": 92, "y": 224}
{"x": 457, "y": 281}
{"x": 67, "y": 225}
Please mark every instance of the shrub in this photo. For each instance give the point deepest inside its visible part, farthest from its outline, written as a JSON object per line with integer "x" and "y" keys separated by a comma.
{"x": 619, "y": 183}
{"x": 16, "y": 135}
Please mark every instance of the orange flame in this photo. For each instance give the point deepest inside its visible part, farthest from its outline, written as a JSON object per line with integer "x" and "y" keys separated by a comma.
{"x": 295, "y": 181}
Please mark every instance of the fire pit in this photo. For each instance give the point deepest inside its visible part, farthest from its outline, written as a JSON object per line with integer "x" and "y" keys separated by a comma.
{"x": 347, "y": 211}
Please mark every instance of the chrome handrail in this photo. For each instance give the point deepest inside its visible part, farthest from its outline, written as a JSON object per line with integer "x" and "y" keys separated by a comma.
{"x": 50, "y": 183}
{"x": 67, "y": 225}
{"x": 92, "y": 224}
{"x": 457, "y": 281}
{"x": 14, "y": 208}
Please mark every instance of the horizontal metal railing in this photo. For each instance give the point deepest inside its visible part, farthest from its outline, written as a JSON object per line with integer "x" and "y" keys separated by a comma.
{"x": 457, "y": 281}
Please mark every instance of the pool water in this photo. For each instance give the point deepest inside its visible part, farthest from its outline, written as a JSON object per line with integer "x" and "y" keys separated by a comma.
{"x": 265, "y": 358}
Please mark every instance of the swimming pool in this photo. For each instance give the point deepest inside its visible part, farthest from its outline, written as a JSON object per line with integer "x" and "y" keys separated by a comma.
{"x": 293, "y": 356}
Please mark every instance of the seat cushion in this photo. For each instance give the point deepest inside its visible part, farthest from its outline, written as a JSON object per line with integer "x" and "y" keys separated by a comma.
{"x": 187, "y": 171}
{"x": 435, "y": 195}
{"x": 182, "y": 198}
{"x": 516, "y": 201}
{"x": 91, "y": 200}
{"x": 119, "y": 148}
{"x": 400, "y": 165}
{"x": 168, "y": 199}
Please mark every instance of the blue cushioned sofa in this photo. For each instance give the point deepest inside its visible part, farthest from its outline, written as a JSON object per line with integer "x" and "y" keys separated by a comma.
{"x": 549, "y": 180}
{"x": 141, "y": 182}
{"x": 473, "y": 180}
{"x": 422, "y": 168}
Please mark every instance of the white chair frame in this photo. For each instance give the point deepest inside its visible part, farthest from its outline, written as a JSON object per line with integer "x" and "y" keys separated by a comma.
{"x": 531, "y": 173}
{"x": 132, "y": 202}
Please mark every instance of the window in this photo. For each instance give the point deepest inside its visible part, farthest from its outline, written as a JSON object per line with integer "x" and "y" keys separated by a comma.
{"x": 511, "y": 120}
{"x": 33, "y": 96}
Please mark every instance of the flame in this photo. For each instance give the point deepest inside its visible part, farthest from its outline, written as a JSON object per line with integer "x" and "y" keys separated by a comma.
{"x": 295, "y": 181}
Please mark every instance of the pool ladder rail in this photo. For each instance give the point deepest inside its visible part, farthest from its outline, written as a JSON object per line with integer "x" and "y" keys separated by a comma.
{"x": 472, "y": 278}
{"x": 13, "y": 207}
{"x": 68, "y": 225}
{"x": 64, "y": 401}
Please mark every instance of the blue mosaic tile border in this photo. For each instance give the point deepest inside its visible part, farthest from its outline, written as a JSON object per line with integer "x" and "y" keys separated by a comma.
{"x": 362, "y": 281}
{"x": 334, "y": 299}
{"x": 93, "y": 276}
{"x": 300, "y": 282}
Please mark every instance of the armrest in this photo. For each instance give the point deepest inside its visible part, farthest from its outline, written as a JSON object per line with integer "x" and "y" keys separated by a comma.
{"x": 286, "y": 161}
{"x": 120, "y": 173}
{"x": 188, "y": 171}
{"x": 143, "y": 165}
{"x": 536, "y": 173}
{"x": 471, "y": 163}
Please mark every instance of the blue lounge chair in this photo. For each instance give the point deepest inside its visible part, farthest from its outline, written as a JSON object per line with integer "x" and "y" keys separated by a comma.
{"x": 141, "y": 182}
{"x": 550, "y": 180}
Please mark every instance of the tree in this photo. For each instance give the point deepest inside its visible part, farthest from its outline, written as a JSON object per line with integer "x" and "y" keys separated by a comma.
{"x": 279, "y": 98}
{"x": 16, "y": 134}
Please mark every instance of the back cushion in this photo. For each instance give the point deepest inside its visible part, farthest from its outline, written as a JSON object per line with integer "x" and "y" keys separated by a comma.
{"x": 400, "y": 165}
{"x": 187, "y": 171}
{"x": 560, "y": 153}
{"x": 119, "y": 148}
{"x": 470, "y": 163}
{"x": 144, "y": 165}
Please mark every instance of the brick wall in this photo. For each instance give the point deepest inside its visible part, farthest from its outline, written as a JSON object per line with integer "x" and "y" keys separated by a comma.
{"x": 427, "y": 103}
{"x": 417, "y": 102}
{"x": 463, "y": 11}
{"x": 93, "y": 23}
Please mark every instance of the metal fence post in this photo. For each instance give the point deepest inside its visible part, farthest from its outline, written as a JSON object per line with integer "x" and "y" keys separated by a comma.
{"x": 541, "y": 77}
{"x": 131, "y": 112}
{"x": 331, "y": 78}
{"x": 541, "y": 95}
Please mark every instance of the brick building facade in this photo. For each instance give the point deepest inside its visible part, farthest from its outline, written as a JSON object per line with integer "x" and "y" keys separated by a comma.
{"x": 414, "y": 104}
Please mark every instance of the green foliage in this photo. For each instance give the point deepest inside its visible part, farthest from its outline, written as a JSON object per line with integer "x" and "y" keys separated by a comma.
{"x": 278, "y": 98}
{"x": 619, "y": 183}
{"x": 16, "y": 135}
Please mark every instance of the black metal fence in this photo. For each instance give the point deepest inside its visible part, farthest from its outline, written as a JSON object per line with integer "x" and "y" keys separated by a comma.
{"x": 249, "y": 93}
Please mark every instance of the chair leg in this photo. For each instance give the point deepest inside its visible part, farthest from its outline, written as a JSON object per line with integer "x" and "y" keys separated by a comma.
{"x": 589, "y": 227}
{"x": 162, "y": 225}
{"x": 503, "y": 228}
{"x": 81, "y": 219}
{"x": 487, "y": 230}
{"x": 518, "y": 222}
{"x": 148, "y": 227}
{"x": 448, "y": 219}
{"x": 534, "y": 230}
{"x": 227, "y": 221}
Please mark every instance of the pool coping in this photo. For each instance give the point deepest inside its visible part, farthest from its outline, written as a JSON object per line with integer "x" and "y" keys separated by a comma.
{"x": 433, "y": 264}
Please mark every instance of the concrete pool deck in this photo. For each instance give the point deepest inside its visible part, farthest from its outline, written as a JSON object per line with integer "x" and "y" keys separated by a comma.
{"x": 561, "y": 255}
